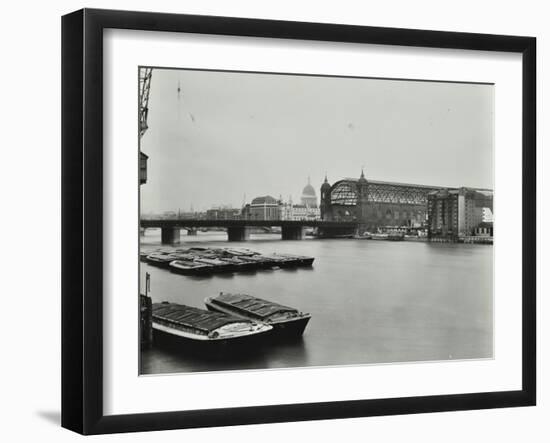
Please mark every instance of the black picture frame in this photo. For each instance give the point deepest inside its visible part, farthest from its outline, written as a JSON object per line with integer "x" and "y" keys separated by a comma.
{"x": 82, "y": 219}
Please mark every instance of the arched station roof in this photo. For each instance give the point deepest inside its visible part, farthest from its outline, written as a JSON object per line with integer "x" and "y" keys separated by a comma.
{"x": 344, "y": 192}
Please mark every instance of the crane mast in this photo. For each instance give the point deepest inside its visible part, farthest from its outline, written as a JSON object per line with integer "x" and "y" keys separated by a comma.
{"x": 144, "y": 87}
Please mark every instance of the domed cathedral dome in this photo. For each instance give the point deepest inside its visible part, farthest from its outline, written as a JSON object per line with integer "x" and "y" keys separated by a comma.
{"x": 309, "y": 197}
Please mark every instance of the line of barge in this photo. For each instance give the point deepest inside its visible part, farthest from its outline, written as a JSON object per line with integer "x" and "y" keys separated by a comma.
{"x": 205, "y": 261}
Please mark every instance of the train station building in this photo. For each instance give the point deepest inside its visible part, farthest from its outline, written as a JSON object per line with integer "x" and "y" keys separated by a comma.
{"x": 377, "y": 205}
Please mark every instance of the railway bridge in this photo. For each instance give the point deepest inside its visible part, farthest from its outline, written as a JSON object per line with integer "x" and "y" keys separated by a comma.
{"x": 239, "y": 229}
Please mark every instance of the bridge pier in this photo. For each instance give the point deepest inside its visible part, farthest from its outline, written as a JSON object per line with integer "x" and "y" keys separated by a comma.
{"x": 293, "y": 232}
{"x": 238, "y": 233}
{"x": 170, "y": 236}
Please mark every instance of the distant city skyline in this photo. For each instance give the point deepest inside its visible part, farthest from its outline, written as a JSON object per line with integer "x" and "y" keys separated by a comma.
{"x": 215, "y": 137}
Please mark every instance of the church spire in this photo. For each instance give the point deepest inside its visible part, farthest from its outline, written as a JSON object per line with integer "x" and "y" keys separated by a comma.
{"x": 362, "y": 178}
{"x": 326, "y": 184}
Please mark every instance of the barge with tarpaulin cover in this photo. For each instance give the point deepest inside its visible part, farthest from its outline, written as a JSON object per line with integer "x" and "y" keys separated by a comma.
{"x": 193, "y": 326}
{"x": 286, "y": 321}
{"x": 205, "y": 261}
{"x": 189, "y": 267}
{"x": 161, "y": 259}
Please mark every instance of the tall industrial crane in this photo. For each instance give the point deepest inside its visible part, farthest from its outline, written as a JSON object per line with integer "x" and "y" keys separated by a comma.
{"x": 144, "y": 87}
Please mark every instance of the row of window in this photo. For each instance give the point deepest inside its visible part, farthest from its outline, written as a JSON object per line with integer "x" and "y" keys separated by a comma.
{"x": 388, "y": 214}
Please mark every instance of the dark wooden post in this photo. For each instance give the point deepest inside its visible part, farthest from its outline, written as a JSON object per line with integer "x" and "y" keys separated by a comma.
{"x": 146, "y": 315}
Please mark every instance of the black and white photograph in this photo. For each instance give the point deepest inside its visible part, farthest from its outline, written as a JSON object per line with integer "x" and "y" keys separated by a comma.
{"x": 292, "y": 220}
{"x": 275, "y": 221}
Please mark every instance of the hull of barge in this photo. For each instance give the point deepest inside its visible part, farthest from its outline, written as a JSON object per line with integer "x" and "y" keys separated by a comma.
{"x": 292, "y": 328}
{"x": 191, "y": 270}
{"x": 193, "y": 328}
{"x": 159, "y": 263}
{"x": 209, "y": 348}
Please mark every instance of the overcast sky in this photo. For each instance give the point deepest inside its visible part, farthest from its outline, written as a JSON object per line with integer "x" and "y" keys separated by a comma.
{"x": 225, "y": 135}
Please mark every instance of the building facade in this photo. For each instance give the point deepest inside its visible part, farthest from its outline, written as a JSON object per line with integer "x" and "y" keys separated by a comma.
{"x": 263, "y": 208}
{"x": 223, "y": 213}
{"x": 268, "y": 208}
{"x": 377, "y": 205}
{"x": 456, "y": 213}
{"x": 290, "y": 211}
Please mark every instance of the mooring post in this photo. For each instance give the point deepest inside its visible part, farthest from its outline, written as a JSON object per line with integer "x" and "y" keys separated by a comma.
{"x": 146, "y": 315}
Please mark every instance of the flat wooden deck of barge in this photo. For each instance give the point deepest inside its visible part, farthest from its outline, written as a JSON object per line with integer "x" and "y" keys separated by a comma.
{"x": 251, "y": 306}
{"x": 189, "y": 318}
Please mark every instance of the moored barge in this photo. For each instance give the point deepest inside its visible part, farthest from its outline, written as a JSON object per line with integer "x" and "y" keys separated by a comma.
{"x": 297, "y": 260}
{"x": 161, "y": 259}
{"x": 378, "y": 236}
{"x": 189, "y": 267}
{"x": 216, "y": 265}
{"x": 195, "y": 326}
{"x": 286, "y": 321}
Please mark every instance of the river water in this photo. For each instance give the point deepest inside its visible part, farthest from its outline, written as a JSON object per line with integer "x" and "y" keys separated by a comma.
{"x": 370, "y": 301}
